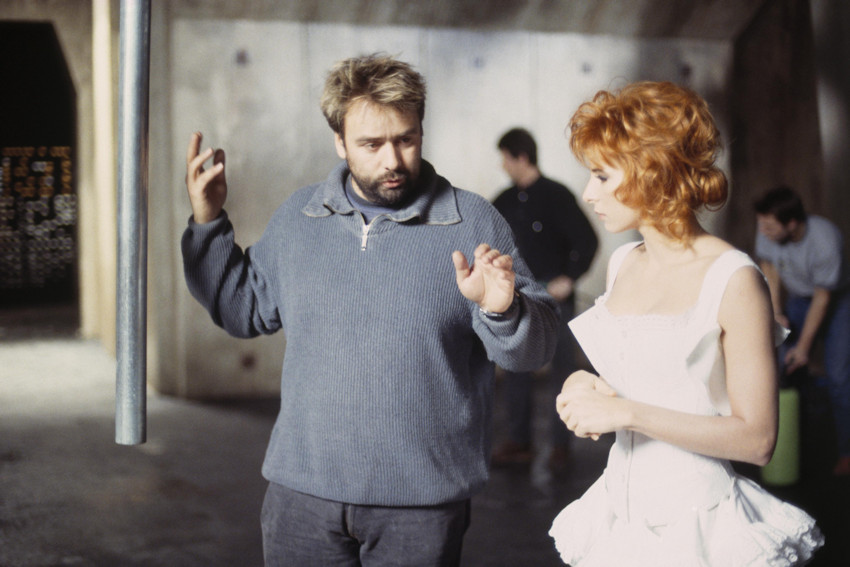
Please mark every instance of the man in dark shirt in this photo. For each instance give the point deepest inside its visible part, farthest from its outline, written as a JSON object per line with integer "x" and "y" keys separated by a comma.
{"x": 558, "y": 244}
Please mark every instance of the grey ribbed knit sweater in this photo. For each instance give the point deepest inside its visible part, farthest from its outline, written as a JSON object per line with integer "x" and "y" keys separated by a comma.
{"x": 386, "y": 388}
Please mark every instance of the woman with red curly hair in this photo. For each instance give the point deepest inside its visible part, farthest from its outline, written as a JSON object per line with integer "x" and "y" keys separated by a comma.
{"x": 683, "y": 342}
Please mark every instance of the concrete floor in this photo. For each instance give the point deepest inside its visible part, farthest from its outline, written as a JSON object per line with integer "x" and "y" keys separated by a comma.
{"x": 191, "y": 495}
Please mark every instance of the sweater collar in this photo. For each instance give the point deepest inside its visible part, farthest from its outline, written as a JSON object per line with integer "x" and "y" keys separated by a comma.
{"x": 435, "y": 204}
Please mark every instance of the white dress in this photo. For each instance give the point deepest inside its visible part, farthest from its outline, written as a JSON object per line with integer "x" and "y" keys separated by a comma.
{"x": 655, "y": 504}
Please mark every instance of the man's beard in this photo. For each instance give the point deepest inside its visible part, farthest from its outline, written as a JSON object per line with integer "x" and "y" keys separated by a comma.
{"x": 393, "y": 197}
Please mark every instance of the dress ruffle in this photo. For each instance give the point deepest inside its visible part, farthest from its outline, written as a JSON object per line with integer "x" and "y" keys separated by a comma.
{"x": 749, "y": 527}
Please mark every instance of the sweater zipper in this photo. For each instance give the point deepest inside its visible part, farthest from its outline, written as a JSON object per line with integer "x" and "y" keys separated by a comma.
{"x": 364, "y": 236}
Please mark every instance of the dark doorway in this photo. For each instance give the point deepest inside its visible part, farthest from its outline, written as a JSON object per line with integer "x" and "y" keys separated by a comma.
{"x": 38, "y": 195}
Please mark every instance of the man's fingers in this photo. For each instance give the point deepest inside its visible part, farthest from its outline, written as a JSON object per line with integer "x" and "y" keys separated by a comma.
{"x": 218, "y": 157}
{"x": 461, "y": 265}
{"x": 484, "y": 255}
{"x": 481, "y": 250}
{"x": 196, "y": 166}
{"x": 490, "y": 256}
{"x": 204, "y": 178}
{"x": 504, "y": 262}
{"x": 195, "y": 160}
{"x": 193, "y": 147}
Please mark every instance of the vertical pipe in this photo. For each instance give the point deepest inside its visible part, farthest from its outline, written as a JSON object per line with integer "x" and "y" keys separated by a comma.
{"x": 130, "y": 391}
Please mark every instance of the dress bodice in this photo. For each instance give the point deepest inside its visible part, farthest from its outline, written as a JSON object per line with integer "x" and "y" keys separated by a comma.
{"x": 653, "y": 358}
{"x": 670, "y": 361}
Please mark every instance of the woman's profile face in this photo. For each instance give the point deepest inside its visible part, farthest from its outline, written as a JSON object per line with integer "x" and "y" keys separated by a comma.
{"x": 600, "y": 192}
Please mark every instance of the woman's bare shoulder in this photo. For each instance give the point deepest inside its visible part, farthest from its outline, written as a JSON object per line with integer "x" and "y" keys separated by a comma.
{"x": 710, "y": 246}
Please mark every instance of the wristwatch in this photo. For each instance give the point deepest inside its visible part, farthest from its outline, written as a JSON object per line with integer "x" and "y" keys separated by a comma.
{"x": 493, "y": 315}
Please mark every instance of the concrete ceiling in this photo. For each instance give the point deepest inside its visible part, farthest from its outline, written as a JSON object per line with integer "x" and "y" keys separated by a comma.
{"x": 693, "y": 19}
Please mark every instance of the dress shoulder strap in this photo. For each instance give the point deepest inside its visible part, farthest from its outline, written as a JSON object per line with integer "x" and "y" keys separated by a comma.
{"x": 616, "y": 261}
{"x": 717, "y": 278}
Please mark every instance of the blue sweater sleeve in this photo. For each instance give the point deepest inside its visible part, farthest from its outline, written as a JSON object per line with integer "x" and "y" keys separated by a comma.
{"x": 233, "y": 289}
{"x": 527, "y": 340}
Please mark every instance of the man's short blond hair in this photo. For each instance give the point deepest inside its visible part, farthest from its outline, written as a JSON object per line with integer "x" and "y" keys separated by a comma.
{"x": 375, "y": 78}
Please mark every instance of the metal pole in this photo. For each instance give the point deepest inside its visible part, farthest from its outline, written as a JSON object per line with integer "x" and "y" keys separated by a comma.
{"x": 130, "y": 391}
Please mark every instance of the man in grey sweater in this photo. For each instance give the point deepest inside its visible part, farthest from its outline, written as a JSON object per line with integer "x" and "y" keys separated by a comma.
{"x": 397, "y": 293}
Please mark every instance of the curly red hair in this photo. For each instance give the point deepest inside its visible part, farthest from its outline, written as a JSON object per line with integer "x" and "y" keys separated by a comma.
{"x": 665, "y": 140}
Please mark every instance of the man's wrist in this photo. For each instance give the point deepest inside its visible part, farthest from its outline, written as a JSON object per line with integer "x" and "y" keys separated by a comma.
{"x": 504, "y": 314}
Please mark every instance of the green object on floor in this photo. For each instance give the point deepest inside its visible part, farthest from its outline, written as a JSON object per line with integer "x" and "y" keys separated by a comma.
{"x": 784, "y": 468}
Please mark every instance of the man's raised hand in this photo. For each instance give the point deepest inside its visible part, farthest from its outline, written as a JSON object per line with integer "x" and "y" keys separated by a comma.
{"x": 489, "y": 282}
{"x": 207, "y": 188}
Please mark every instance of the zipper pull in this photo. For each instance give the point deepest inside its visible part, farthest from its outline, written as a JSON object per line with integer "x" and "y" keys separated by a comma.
{"x": 364, "y": 236}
